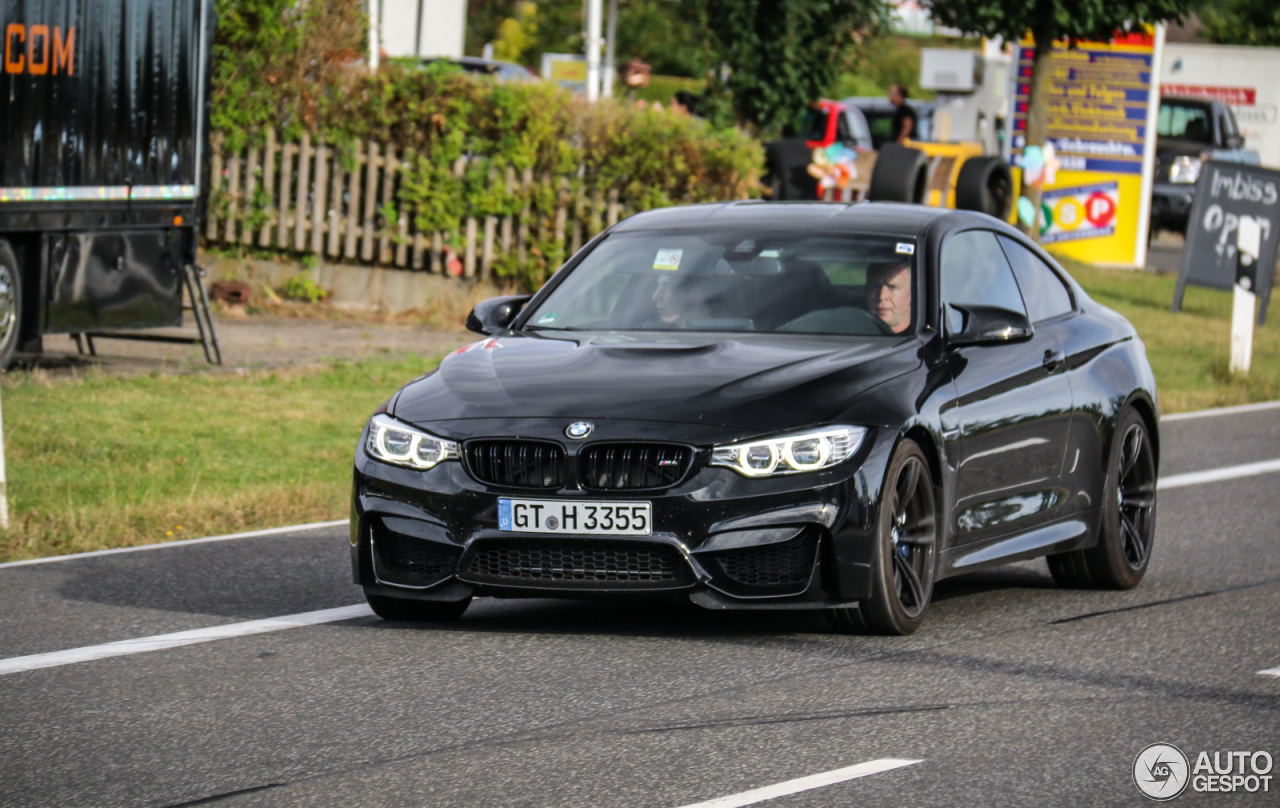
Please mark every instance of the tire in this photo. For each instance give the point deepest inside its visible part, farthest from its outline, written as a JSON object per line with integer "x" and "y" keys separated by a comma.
{"x": 905, "y": 558}
{"x": 1120, "y": 558}
{"x": 985, "y": 185}
{"x": 417, "y": 611}
{"x": 10, "y": 304}
{"x": 901, "y": 174}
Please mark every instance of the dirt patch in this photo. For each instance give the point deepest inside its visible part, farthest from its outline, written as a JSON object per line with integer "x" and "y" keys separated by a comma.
{"x": 252, "y": 341}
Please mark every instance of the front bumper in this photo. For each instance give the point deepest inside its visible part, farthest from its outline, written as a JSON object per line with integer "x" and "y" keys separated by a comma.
{"x": 1171, "y": 206}
{"x": 720, "y": 539}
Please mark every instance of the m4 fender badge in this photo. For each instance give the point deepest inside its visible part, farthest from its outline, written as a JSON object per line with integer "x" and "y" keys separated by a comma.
{"x": 579, "y": 430}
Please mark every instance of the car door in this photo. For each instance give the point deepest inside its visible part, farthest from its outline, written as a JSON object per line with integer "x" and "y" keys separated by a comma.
{"x": 1014, "y": 402}
{"x": 1053, "y": 312}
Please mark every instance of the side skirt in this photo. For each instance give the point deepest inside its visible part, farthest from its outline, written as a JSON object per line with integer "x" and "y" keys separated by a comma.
{"x": 1076, "y": 532}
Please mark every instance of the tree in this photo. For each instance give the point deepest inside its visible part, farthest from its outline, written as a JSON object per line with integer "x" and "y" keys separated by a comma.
{"x": 1049, "y": 21}
{"x": 781, "y": 54}
{"x": 1242, "y": 22}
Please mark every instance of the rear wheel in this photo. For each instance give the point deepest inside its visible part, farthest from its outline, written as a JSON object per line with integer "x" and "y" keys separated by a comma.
{"x": 1123, "y": 552}
{"x": 10, "y": 304}
{"x": 985, "y": 185}
{"x": 417, "y": 611}
{"x": 901, "y": 174}
{"x": 904, "y": 560}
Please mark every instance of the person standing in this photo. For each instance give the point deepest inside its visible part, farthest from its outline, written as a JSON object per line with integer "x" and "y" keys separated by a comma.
{"x": 904, "y": 117}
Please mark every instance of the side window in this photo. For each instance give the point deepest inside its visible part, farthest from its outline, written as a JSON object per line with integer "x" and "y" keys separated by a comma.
{"x": 843, "y": 135}
{"x": 975, "y": 272}
{"x": 1045, "y": 293}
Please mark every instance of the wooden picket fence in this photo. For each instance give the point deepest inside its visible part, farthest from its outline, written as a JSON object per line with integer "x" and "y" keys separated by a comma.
{"x": 317, "y": 205}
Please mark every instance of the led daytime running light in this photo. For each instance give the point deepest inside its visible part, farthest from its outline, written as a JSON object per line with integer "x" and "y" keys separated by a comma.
{"x": 401, "y": 445}
{"x": 833, "y": 445}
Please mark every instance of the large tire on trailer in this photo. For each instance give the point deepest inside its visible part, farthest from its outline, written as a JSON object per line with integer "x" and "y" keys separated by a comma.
{"x": 901, "y": 174}
{"x": 985, "y": 185}
{"x": 10, "y": 304}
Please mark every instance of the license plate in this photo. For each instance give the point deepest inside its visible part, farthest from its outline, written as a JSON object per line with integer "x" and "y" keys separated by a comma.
{"x": 577, "y": 518}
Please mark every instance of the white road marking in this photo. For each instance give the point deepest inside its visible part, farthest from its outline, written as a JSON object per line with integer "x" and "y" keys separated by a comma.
{"x": 1270, "y": 672}
{"x": 805, "y": 783}
{"x": 161, "y": 641}
{"x": 1186, "y": 416}
{"x": 177, "y": 543}
{"x": 1214, "y": 475}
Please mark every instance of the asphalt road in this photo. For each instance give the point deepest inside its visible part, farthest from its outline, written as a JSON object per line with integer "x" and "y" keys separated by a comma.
{"x": 1015, "y": 692}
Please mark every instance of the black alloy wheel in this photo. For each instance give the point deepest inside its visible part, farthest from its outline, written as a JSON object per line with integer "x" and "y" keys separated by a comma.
{"x": 417, "y": 611}
{"x": 1123, "y": 552}
{"x": 905, "y": 561}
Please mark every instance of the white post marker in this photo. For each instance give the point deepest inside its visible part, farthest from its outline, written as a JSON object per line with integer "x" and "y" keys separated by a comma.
{"x": 593, "y": 49}
{"x": 4, "y": 481}
{"x": 1249, "y": 243}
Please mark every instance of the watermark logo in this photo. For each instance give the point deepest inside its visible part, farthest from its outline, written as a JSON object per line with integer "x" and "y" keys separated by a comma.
{"x": 1161, "y": 771}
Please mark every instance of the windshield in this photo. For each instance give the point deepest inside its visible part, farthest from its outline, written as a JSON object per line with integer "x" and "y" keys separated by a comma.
{"x": 1185, "y": 121}
{"x": 737, "y": 281}
{"x": 815, "y": 124}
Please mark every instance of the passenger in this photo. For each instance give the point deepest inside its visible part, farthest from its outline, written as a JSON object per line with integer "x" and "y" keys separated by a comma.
{"x": 888, "y": 292}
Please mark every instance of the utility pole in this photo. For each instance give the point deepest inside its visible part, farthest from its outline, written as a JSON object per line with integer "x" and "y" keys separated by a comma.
{"x": 375, "y": 9}
{"x": 610, "y": 63}
{"x": 593, "y": 49}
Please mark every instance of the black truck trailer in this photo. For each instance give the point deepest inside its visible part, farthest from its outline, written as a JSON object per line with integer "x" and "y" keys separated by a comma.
{"x": 104, "y": 110}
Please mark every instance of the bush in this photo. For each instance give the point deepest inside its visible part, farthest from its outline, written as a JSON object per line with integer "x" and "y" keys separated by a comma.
{"x": 441, "y": 120}
{"x": 302, "y": 287}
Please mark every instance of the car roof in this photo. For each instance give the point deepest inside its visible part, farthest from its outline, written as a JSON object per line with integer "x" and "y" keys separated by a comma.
{"x": 877, "y": 104}
{"x": 888, "y": 218}
{"x": 1209, "y": 104}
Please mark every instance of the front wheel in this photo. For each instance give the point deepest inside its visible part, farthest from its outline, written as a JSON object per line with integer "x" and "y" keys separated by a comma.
{"x": 1123, "y": 552}
{"x": 904, "y": 561}
{"x": 417, "y": 611}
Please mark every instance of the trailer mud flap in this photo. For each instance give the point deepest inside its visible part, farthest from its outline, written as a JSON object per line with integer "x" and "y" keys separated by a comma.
{"x": 106, "y": 280}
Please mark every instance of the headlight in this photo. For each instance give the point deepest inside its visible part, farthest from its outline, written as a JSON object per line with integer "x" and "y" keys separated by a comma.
{"x": 1185, "y": 170}
{"x": 401, "y": 445}
{"x": 808, "y": 451}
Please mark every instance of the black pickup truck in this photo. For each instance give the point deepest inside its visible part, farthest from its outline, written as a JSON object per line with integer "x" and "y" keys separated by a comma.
{"x": 1189, "y": 131}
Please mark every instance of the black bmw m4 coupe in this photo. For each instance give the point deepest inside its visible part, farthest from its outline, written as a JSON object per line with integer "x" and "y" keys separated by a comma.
{"x": 768, "y": 406}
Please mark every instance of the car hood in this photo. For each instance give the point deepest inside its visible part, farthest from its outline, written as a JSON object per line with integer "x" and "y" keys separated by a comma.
{"x": 765, "y": 382}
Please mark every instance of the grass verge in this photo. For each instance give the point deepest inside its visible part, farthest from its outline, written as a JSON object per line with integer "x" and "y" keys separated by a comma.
{"x": 1188, "y": 350}
{"x": 98, "y": 462}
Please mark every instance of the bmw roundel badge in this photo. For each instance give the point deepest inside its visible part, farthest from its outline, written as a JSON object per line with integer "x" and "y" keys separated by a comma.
{"x": 579, "y": 429}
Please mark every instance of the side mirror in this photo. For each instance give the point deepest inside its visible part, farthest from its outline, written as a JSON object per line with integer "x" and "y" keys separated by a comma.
{"x": 492, "y": 315}
{"x": 1234, "y": 141}
{"x": 985, "y": 325}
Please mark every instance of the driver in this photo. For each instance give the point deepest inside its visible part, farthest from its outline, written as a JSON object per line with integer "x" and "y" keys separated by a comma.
{"x": 888, "y": 294}
{"x": 680, "y": 298}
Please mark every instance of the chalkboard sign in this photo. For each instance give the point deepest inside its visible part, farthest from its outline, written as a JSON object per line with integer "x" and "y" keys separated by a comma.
{"x": 1226, "y": 192}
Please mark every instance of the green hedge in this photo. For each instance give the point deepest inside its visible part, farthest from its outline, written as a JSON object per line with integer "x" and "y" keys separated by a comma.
{"x": 294, "y": 70}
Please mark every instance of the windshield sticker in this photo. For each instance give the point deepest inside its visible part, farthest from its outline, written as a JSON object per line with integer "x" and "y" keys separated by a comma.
{"x": 548, "y": 318}
{"x": 668, "y": 260}
{"x": 906, "y": 249}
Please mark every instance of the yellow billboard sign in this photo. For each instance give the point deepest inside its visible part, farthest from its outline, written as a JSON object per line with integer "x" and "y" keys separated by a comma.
{"x": 1104, "y": 97}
